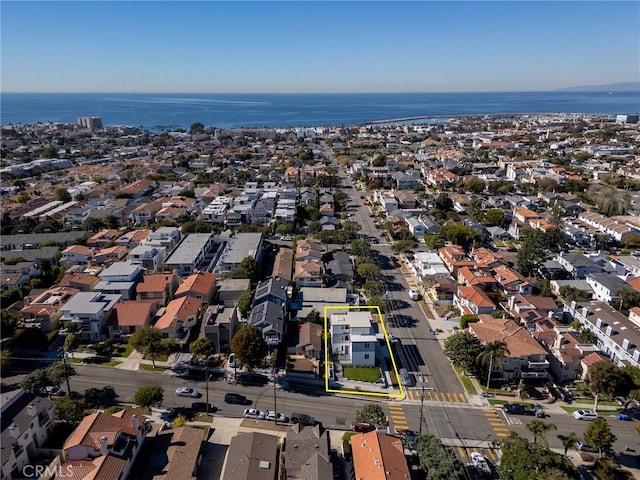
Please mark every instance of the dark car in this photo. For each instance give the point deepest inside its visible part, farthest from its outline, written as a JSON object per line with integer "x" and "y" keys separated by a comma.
{"x": 252, "y": 379}
{"x": 303, "y": 419}
{"x": 363, "y": 427}
{"x": 236, "y": 398}
{"x": 517, "y": 409}
{"x": 202, "y": 407}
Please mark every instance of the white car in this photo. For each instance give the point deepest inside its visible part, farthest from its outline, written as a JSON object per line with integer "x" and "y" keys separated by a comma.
{"x": 481, "y": 464}
{"x": 253, "y": 413}
{"x": 587, "y": 415}
{"x": 413, "y": 295}
{"x": 272, "y": 416}
{"x": 188, "y": 392}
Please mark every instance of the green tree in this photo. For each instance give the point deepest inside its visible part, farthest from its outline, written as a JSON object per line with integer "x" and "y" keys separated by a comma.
{"x": 629, "y": 298}
{"x": 147, "y": 340}
{"x": 603, "y": 377}
{"x": 493, "y": 353}
{"x": 314, "y": 317}
{"x": 57, "y": 372}
{"x": 465, "y": 320}
{"x": 360, "y": 248}
{"x": 438, "y": 462}
{"x": 71, "y": 343}
{"x": 244, "y": 303}
{"x": 7, "y": 321}
{"x": 586, "y": 335}
{"x": 249, "y": 346}
{"x": 495, "y": 217}
{"x": 373, "y": 288}
{"x": 93, "y": 224}
{"x": 202, "y": 349}
{"x": 569, "y": 441}
{"x": 196, "y": 127}
{"x": 539, "y": 429}
{"x": 70, "y": 409}
{"x": 532, "y": 252}
{"x": 404, "y": 246}
{"x": 149, "y": 395}
{"x": 462, "y": 349}
{"x": 372, "y": 413}
{"x": 35, "y": 381}
{"x": 248, "y": 268}
{"x": 61, "y": 195}
{"x": 368, "y": 271}
{"x": 6, "y": 360}
{"x": 598, "y": 433}
{"x": 524, "y": 460}
{"x": 569, "y": 294}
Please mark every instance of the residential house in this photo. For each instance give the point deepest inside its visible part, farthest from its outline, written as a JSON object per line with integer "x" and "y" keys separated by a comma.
{"x": 556, "y": 285}
{"x": 181, "y": 449}
{"x": 315, "y": 298}
{"x": 133, "y": 238}
{"x": 310, "y": 342}
{"x": 283, "y": 264}
{"x": 42, "y": 311}
{"x": 109, "y": 255}
{"x": 75, "y": 255}
{"x": 477, "y": 278}
{"x": 307, "y": 453}
{"x": 27, "y": 422}
{"x": 200, "y": 285}
{"x": 219, "y": 324}
{"x": 531, "y": 309}
{"x": 138, "y": 189}
{"x": 428, "y": 266}
{"x": 270, "y": 319}
{"x": 472, "y": 301}
{"x": 160, "y": 287}
{"x": 377, "y": 456}
{"x": 498, "y": 234}
{"x": 511, "y": 281}
{"x": 525, "y": 359}
{"x": 308, "y": 273}
{"x": 273, "y": 289}
{"x": 178, "y": 317}
{"x": 82, "y": 282}
{"x": 105, "y": 446}
{"x": 196, "y": 251}
{"x": 454, "y": 257}
{"x": 239, "y": 247}
{"x": 617, "y": 335}
{"x": 339, "y": 269}
{"x": 352, "y": 338}
{"x": 252, "y": 455}
{"x": 578, "y": 265}
{"x": 416, "y": 227}
{"x": 164, "y": 237}
{"x": 103, "y": 238}
{"x": 89, "y": 310}
{"x": 148, "y": 257}
{"x": 231, "y": 289}
{"x": 145, "y": 213}
{"x": 128, "y": 316}
{"x": 606, "y": 287}
{"x": 329, "y": 223}
{"x": 120, "y": 278}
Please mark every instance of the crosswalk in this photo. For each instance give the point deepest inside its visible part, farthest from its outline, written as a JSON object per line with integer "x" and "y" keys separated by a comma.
{"x": 397, "y": 417}
{"x": 496, "y": 422}
{"x": 430, "y": 395}
{"x": 464, "y": 453}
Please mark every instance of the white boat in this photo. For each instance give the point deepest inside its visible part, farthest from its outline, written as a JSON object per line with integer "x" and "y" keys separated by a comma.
{"x": 482, "y": 466}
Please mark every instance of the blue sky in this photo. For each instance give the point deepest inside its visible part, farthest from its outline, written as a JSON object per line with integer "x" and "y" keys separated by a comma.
{"x": 304, "y": 46}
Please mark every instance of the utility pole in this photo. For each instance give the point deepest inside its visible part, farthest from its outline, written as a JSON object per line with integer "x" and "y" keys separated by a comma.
{"x": 66, "y": 372}
{"x": 275, "y": 408}
{"x": 422, "y": 382}
{"x": 206, "y": 383}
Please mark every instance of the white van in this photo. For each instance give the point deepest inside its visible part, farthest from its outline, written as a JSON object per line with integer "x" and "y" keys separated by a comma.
{"x": 587, "y": 415}
{"x": 413, "y": 295}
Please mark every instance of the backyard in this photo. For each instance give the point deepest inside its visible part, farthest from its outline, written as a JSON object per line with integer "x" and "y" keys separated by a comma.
{"x": 362, "y": 374}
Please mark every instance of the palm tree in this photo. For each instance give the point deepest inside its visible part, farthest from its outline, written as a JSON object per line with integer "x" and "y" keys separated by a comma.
{"x": 539, "y": 428}
{"x": 568, "y": 441}
{"x": 493, "y": 352}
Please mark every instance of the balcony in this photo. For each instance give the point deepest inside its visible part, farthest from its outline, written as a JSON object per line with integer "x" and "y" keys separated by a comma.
{"x": 538, "y": 365}
{"x": 534, "y": 375}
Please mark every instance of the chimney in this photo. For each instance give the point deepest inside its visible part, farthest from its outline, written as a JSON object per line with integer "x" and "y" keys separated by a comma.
{"x": 104, "y": 447}
{"x": 31, "y": 410}
{"x": 134, "y": 422}
{"x": 14, "y": 430}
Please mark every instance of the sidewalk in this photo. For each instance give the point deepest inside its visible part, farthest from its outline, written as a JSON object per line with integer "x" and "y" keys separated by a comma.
{"x": 132, "y": 362}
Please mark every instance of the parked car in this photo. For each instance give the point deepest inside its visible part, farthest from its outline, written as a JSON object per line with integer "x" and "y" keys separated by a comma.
{"x": 517, "y": 409}
{"x": 252, "y": 379}
{"x": 363, "y": 427}
{"x": 253, "y": 413}
{"x": 236, "y": 398}
{"x": 231, "y": 363}
{"x": 413, "y": 295}
{"x": 586, "y": 415}
{"x": 480, "y": 463}
{"x": 624, "y": 417}
{"x": 188, "y": 392}
{"x": 392, "y": 338}
{"x": 273, "y": 415}
{"x": 303, "y": 419}
{"x": 202, "y": 407}
{"x": 586, "y": 447}
{"x": 622, "y": 401}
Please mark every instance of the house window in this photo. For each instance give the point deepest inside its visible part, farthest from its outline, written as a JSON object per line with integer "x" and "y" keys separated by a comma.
{"x": 366, "y": 345}
{"x": 366, "y": 356}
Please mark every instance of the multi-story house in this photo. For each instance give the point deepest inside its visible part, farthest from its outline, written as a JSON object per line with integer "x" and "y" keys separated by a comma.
{"x": 269, "y": 317}
{"x": 377, "y": 456}
{"x": 525, "y": 359}
{"x": 27, "y": 422}
{"x": 200, "y": 285}
{"x": 89, "y": 310}
{"x": 179, "y": 317}
{"x": 147, "y": 256}
{"x": 616, "y": 334}
{"x": 42, "y": 312}
{"x": 128, "y": 316}
{"x": 105, "y": 446}
{"x": 160, "y": 287}
{"x": 103, "y": 238}
{"x": 472, "y": 301}
{"x": 219, "y": 324}
{"x": 75, "y": 255}
{"x": 353, "y": 339}
{"x": 196, "y": 251}
{"x": 578, "y": 265}
{"x": 606, "y": 287}
{"x": 273, "y": 289}
{"x": 120, "y": 278}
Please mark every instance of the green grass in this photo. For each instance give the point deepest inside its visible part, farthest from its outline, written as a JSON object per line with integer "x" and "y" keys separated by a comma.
{"x": 151, "y": 368}
{"x": 362, "y": 374}
{"x": 123, "y": 350}
{"x": 160, "y": 357}
{"x": 106, "y": 363}
{"x": 589, "y": 401}
{"x": 466, "y": 382}
{"x": 346, "y": 446}
{"x": 493, "y": 401}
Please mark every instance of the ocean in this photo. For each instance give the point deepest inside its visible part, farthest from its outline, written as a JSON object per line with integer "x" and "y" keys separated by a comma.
{"x": 153, "y": 110}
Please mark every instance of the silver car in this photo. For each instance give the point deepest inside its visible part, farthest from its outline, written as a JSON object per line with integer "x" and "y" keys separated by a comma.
{"x": 253, "y": 413}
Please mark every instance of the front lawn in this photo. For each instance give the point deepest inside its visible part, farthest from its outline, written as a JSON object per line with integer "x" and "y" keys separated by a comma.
{"x": 144, "y": 366}
{"x": 362, "y": 374}
{"x": 122, "y": 350}
{"x": 466, "y": 381}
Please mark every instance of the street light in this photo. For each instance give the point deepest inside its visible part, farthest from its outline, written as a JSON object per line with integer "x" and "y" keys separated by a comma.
{"x": 275, "y": 408}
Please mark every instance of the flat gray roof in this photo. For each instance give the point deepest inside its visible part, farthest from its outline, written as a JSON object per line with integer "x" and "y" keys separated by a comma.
{"x": 244, "y": 245}
{"x": 187, "y": 250}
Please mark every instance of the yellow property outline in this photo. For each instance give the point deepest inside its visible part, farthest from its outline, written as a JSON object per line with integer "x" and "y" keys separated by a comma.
{"x": 326, "y": 354}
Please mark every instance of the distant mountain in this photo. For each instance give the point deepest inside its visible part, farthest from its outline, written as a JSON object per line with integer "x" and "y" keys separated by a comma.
{"x": 609, "y": 87}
